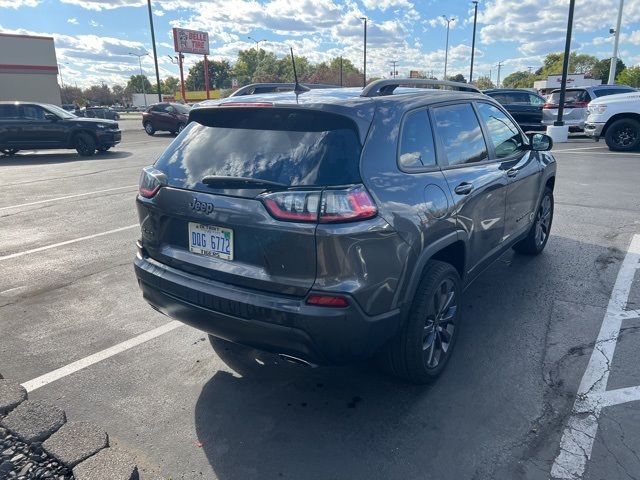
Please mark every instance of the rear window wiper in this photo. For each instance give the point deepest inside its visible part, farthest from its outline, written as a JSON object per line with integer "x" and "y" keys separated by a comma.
{"x": 242, "y": 182}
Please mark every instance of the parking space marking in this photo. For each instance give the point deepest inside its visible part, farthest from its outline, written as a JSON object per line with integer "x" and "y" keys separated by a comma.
{"x": 575, "y": 149}
{"x": 95, "y": 192}
{"x": 611, "y": 154}
{"x": 85, "y": 362}
{"x": 67, "y": 242}
{"x": 579, "y": 434}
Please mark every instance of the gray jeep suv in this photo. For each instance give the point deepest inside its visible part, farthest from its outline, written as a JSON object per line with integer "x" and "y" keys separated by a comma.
{"x": 340, "y": 223}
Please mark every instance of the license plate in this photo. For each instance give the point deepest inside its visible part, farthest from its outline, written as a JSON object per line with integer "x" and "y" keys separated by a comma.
{"x": 211, "y": 241}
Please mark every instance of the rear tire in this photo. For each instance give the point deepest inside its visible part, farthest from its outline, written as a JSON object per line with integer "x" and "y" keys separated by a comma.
{"x": 421, "y": 349}
{"x": 538, "y": 235}
{"x": 623, "y": 135}
{"x": 103, "y": 149}
{"x": 148, "y": 127}
{"x": 180, "y": 127}
{"x": 9, "y": 151}
{"x": 84, "y": 144}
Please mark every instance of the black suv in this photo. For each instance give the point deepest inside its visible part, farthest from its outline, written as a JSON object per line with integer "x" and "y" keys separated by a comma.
{"x": 35, "y": 126}
{"x": 524, "y": 106}
{"x": 337, "y": 224}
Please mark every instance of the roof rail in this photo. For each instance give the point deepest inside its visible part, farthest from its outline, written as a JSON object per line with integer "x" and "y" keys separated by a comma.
{"x": 386, "y": 87}
{"x": 249, "y": 89}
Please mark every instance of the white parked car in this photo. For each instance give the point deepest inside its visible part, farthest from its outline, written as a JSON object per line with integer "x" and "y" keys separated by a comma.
{"x": 616, "y": 118}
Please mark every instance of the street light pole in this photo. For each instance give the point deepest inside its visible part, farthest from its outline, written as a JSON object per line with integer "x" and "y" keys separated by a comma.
{"x": 473, "y": 41}
{"x": 364, "y": 67}
{"x": 614, "y": 58}
{"x": 446, "y": 50}
{"x": 142, "y": 77}
{"x": 155, "y": 53}
{"x": 257, "y": 42}
{"x": 565, "y": 66}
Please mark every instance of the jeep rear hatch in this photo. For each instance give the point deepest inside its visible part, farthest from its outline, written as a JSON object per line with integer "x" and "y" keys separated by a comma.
{"x": 241, "y": 190}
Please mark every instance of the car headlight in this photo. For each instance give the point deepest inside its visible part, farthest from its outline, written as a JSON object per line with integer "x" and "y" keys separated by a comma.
{"x": 101, "y": 126}
{"x": 598, "y": 108}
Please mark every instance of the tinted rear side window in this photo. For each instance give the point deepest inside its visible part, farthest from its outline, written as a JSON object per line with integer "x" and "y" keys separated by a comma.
{"x": 603, "y": 92}
{"x": 416, "y": 142}
{"x": 289, "y": 146}
{"x": 460, "y": 133}
{"x": 8, "y": 112}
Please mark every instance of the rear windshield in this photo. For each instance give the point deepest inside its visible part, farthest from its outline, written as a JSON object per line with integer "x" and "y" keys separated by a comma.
{"x": 571, "y": 96}
{"x": 289, "y": 146}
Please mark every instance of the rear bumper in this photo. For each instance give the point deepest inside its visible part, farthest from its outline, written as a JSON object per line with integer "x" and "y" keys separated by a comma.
{"x": 273, "y": 323}
{"x": 594, "y": 129}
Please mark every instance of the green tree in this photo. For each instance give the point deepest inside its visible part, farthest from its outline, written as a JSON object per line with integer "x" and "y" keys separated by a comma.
{"x": 134, "y": 85}
{"x": 248, "y": 62}
{"x": 457, "y": 78}
{"x": 601, "y": 69}
{"x": 219, "y": 75}
{"x": 578, "y": 63}
{"x": 484, "y": 83}
{"x": 519, "y": 79}
{"x": 630, "y": 76}
{"x": 170, "y": 85}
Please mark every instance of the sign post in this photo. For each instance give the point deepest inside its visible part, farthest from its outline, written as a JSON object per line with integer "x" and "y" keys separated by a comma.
{"x": 206, "y": 76}
{"x": 191, "y": 41}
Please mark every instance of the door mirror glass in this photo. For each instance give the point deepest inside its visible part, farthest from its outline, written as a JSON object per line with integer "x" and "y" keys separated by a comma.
{"x": 50, "y": 117}
{"x": 540, "y": 142}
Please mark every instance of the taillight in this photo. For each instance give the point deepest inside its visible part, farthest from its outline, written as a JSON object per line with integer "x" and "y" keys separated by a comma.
{"x": 547, "y": 106}
{"x": 324, "y": 206}
{"x": 346, "y": 205}
{"x": 151, "y": 180}
{"x": 296, "y": 206}
{"x": 576, "y": 105}
{"x": 327, "y": 300}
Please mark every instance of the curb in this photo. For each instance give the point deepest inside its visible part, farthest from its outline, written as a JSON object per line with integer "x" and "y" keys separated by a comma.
{"x": 36, "y": 440}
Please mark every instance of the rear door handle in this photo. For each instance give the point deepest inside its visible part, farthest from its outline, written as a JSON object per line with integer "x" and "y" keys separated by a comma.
{"x": 465, "y": 188}
{"x": 512, "y": 172}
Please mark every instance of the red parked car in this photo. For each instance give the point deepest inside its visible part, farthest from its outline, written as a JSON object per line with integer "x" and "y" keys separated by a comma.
{"x": 168, "y": 117}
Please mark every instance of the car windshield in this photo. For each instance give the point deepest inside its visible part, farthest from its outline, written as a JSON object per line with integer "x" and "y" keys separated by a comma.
{"x": 60, "y": 112}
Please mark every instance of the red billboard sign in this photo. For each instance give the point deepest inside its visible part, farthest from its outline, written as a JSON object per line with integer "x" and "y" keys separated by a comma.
{"x": 190, "y": 41}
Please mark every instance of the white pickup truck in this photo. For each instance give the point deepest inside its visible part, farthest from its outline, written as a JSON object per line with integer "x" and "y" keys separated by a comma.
{"x": 617, "y": 119}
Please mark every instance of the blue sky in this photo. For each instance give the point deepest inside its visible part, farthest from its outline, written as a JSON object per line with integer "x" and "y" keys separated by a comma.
{"x": 93, "y": 37}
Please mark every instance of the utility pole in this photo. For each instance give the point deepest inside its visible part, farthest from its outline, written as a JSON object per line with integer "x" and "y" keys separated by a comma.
{"x": 394, "y": 72}
{"x": 142, "y": 77}
{"x": 498, "y": 80}
{"x": 530, "y": 68}
{"x": 614, "y": 58}
{"x": 364, "y": 67}
{"x": 473, "y": 41}
{"x": 446, "y": 49}
{"x": 155, "y": 53}
{"x": 565, "y": 66}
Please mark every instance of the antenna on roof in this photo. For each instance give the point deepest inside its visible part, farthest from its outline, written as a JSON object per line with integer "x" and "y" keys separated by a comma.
{"x": 297, "y": 88}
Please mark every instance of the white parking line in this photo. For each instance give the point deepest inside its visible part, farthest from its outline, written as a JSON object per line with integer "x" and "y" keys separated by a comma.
{"x": 95, "y": 192}
{"x": 575, "y": 149}
{"x": 68, "y": 242}
{"x": 85, "y": 362}
{"x": 611, "y": 154}
{"x": 579, "y": 435}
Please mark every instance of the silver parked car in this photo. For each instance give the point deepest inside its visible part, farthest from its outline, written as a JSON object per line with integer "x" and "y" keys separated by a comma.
{"x": 576, "y": 102}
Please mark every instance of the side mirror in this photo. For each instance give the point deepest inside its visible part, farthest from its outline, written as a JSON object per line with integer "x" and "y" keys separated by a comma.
{"x": 540, "y": 142}
{"x": 51, "y": 117}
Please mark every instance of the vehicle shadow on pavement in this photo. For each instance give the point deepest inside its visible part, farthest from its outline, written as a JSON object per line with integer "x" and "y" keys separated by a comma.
{"x": 39, "y": 158}
{"x": 500, "y": 404}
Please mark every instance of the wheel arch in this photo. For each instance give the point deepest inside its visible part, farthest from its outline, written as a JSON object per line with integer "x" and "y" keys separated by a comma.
{"x": 75, "y": 133}
{"x": 451, "y": 248}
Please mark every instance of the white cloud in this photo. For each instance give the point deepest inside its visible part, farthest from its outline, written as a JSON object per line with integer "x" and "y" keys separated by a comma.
{"x": 104, "y": 4}
{"x": 18, "y": 3}
{"x": 72, "y": 21}
{"x": 385, "y": 4}
{"x": 93, "y": 23}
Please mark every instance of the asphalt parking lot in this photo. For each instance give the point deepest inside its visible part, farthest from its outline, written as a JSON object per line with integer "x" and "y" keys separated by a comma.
{"x": 506, "y": 408}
